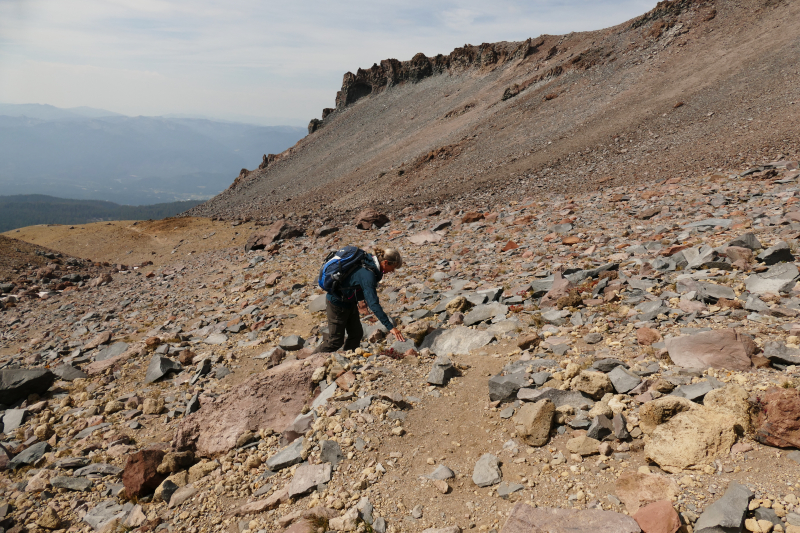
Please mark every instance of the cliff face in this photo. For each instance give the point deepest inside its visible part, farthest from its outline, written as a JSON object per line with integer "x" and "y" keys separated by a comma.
{"x": 690, "y": 85}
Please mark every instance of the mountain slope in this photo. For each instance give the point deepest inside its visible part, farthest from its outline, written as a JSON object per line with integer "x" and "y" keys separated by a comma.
{"x": 689, "y": 86}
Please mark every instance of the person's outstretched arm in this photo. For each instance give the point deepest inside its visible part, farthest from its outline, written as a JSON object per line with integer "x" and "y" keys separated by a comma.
{"x": 368, "y": 287}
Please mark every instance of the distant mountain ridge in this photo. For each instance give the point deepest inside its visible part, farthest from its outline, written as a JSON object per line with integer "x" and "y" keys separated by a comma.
{"x": 88, "y": 153}
{"x": 27, "y": 210}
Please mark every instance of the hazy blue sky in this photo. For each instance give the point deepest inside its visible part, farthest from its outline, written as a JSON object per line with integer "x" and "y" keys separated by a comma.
{"x": 282, "y": 61}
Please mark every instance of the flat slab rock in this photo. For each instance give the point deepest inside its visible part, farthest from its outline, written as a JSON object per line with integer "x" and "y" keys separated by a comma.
{"x": 722, "y": 348}
{"x": 272, "y": 399}
{"x": 527, "y": 519}
{"x": 460, "y": 340}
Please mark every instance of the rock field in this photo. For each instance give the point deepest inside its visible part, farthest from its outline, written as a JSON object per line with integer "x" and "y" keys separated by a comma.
{"x": 617, "y": 361}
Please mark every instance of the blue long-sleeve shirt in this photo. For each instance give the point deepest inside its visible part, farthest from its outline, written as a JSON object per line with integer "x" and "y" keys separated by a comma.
{"x": 362, "y": 285}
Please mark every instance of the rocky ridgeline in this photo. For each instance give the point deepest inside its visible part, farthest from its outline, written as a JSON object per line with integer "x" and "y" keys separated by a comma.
{"x": 615, "y": 361}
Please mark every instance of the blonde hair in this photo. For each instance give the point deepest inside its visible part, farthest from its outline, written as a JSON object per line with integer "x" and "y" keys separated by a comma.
{"x": 389, "y": 254}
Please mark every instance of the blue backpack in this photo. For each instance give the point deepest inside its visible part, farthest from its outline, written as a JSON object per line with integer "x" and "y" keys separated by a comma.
{"x": 338, "y": 266}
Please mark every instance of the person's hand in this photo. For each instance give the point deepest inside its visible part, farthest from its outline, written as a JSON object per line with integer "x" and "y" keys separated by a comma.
{"x": 397, "y": 335}
{"x": 362, "y": 308}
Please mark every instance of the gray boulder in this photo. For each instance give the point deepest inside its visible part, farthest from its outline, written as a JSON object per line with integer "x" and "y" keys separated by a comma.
{"x": 17, "y": 384}
{"x": 485, "y": 312}
{"x": 159, "y": 367}
{"x": 68, "y": 372}
{"x": 118, "y": 348}
{"x": 29, "y": 456}
{"x": 487, "y": 471}
{"x": 503, "y": 388}
{"x": 290, "y": 455}
{"x": 748, "y": 240}
{"x": 80, "y": 484}
{"x": 292, "y": 343}
{"x": 442, "y": 473}
{"x": 558, "y": 397}
{"x": 460, "y": 340}
{"x": 12, "y": 419}
{"x": 779, "y": 278}
{"x": 727, "y": 513}
{"x": 623, "y": 380}
{"x": 330, "y": 452}
{"x": 778, "y": 253}
{"x": 442, "y": 371}
{"x": 778, "y": 352}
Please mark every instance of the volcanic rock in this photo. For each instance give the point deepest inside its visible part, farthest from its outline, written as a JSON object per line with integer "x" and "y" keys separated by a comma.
{"x": 18, "y": 384}
{"x": 271, "y": 399}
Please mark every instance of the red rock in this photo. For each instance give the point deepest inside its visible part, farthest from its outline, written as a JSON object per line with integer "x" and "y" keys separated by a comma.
{"x": 647, "y": 336}
{"x": 271, "y": 399}
{"x": 272, "y": 279}
{"x": 491, "y": 217}
{"x": 186, "y": 357}
{"x": 672, "y": 250}
{"x": 778, "y": 419}
{"x": 280, "y": 230}
{"x": 140, "y": 475}
{"x": 101, "y": 338}
{"x": 560, "y": 289}
{"x": 368, "y": 217}
{"x": 723, "y": 348}
{"x": 510, "y": 245}
{"x": 346, "y": 380}
{"x": 152, "y": 342}
{"x": 570, "y": 240}
{"x": 737, "y": 253}
{"x": 635, "y": 489}
{"x": 658, "y": 517}
{"x": 472, "y": 216}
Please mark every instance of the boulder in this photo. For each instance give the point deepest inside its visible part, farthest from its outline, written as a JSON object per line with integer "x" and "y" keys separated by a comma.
{"x": 272, "y": 399}
{"x": 656, "y": 412}
{"x": 503, "y": 388}
{"x": 583, "y": 445}
{"x": 777, "y": 422}
{"x": 330, "y": 452}
{"x": 593, "y": 384}
{"x": 307, "y": 477}
{"x": 159, "y": 367}
{"x": 288, "y": 456}
{"x": 636, "y": 489}
{"x": 481, "y": 313}
{"x": 68, "y": 372}
{"x": 487, "y": 471}
{"x": 748, "y": 240}
{"x": 18, "y": 383}
{"x": 725, "y": 349}
{"x": 559, "y": 288}
{"x": 29, "y": 455}
{"x": 658, "y": 517}
{"x": 366, "y": 218}
{"x": 623, "y": 380}
{"x": 735, "y": 400}
{"x": 779, "y": 278}
{"x": 292, "y": 343}
{"x": 459, "y": 340}
{"x": 558, "y": 397}
{"x": 442, "y": 371}
{"x": 280, "y": 230}
{"x": 777, "y": 253}
{"x": 727, "y": 513}
{"x": 647, "y": 336}
{"x": 525, "y": 518}
{"x": 140, "y": 475}
{"x": 424, "y": 237}
{"x": 691, "y": 439}
{"x": 534, "y": 420}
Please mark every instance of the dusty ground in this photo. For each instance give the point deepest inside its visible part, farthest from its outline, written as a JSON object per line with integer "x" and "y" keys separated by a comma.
{"x": 135, "y": 242}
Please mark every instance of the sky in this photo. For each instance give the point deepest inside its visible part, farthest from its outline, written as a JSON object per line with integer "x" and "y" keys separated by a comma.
{"x": 261, "y": 61}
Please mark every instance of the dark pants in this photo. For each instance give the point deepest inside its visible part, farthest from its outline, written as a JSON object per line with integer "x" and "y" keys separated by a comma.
{"x": 342, "y": 320}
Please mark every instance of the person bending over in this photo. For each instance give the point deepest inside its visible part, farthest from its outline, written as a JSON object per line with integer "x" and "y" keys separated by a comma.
{"x": 357, "y": 293}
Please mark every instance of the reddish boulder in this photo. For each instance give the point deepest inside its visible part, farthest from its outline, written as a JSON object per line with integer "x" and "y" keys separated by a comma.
{"x": 559, "y": 289}
{"x": 647, "y": 336}
{"x": 527, "y": 519}
{"x": 658, "y": 517}
{"x": 270, "y": 400}
{"x": 280, "y": 230}
{"x": 472, "y": 216}
{"x": 140, "y": 475}
{"x": 636, "y": 489}
{"x": 778, "y": 418}
{"x": 368, "y": 217}
{"x": 722, "y": 348}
